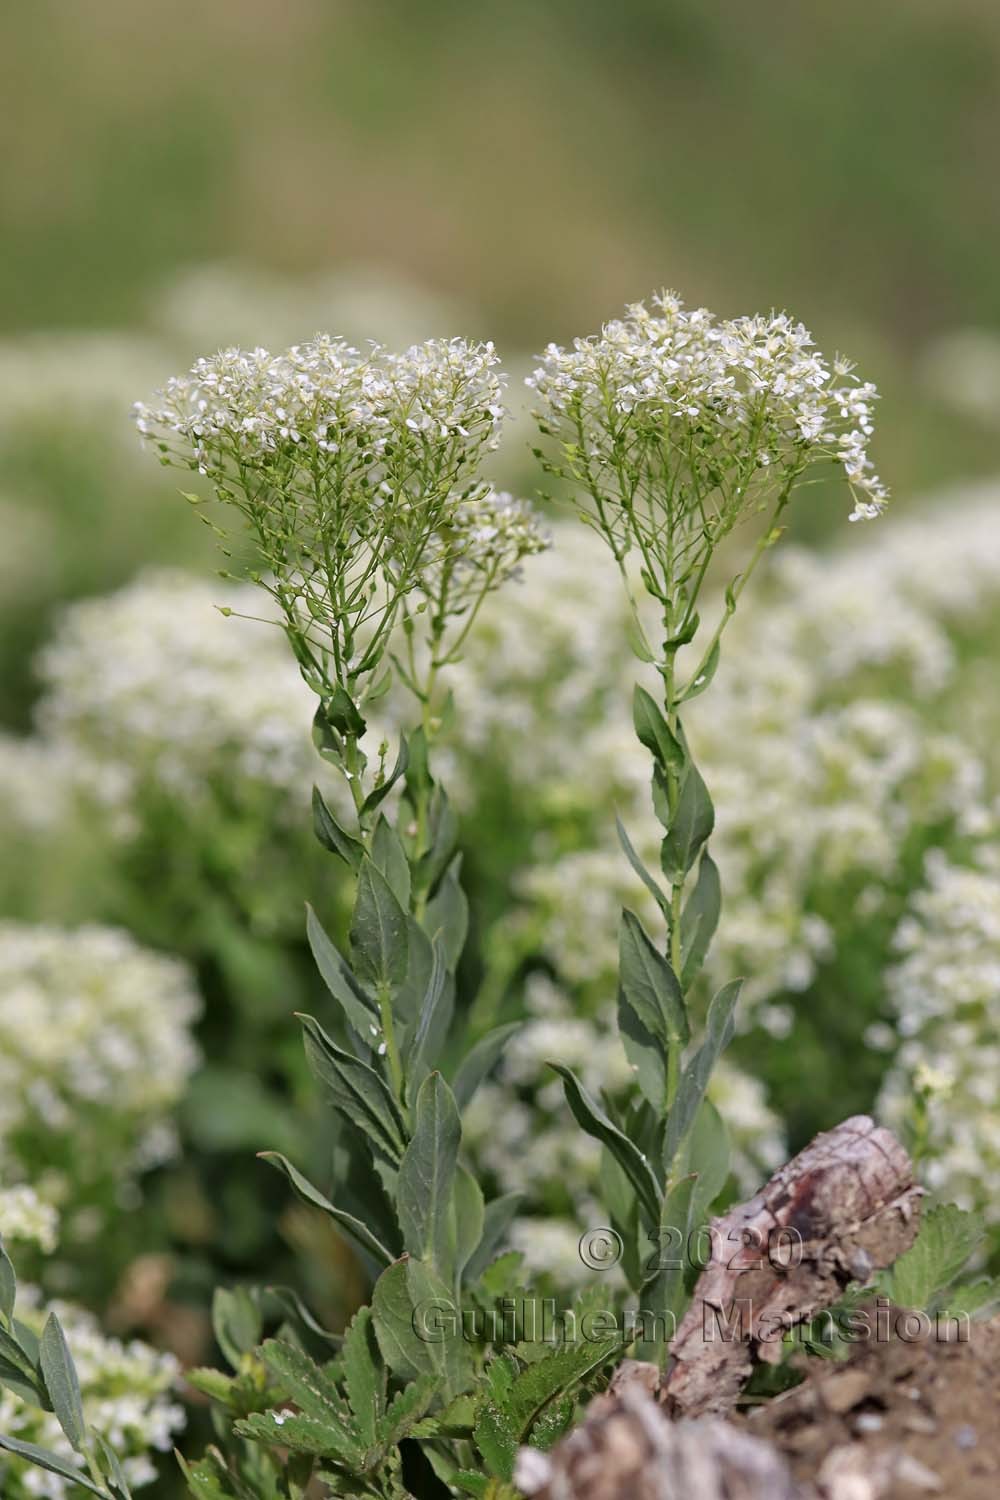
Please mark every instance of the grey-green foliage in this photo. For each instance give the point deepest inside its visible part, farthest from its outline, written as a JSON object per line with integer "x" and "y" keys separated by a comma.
{"x": 41, "y": 1371}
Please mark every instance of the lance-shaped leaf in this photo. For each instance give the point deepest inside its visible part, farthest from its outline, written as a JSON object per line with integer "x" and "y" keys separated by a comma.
{"x": 406, "y": 1352}
{"x": 707, "y": 1156}
{"x": 389, "y": 857}
{"x": 468, "y": 1215}
{"x": 654, "y": 733}
{"x": 448, "y": 912}
{"x": 689, "y": 829}
{"x": 358, "y": 1006}
{"x": 358, "y": 1231}
{"x": 332, "y": 836}
{"x": 379, "y": 940}
{"x": 426, "y": 1029}
{"x": 61, "y": 1383}
{"x": 479, "y": 1060}
{"x": 698, "y": 684}
{"x": 664, "y": 1295}
{"x": 356, "y": 1091}
{"x": 700, "y": 919}
{"x": 427, "y": 1177}
{"x": 652, "y": 1016}
{"x": 595, "y": 1122}
{"x": 43, "y": 1459}
{"x": 377, "y": 797}
{"x": 8, "y": 1286}
{"x": 696, "y": 1073}
{"x": 497, "y": 1218}
{"x": 659, "y": 896}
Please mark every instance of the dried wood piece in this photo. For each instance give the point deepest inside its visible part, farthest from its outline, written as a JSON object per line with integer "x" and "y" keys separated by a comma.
{"x": 845, "y": 1206}
{"x": 627, "y": 1449}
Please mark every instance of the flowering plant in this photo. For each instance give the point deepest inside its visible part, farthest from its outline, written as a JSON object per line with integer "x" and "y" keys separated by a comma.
{"x": 358, "y": 483}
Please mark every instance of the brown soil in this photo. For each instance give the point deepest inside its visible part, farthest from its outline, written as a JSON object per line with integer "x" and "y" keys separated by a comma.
{"x": 896, "y": 1420}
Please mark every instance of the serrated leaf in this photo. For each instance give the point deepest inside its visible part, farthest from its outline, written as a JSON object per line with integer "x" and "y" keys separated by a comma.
{"x": 334, "y": 838}
{"x": 303, "y": 1381}
{"x": 479, "y": 1060}
{"x": 379, "y": 938}
{"x": 696, "y": 1073}
{"x": 554, "y": 1376}
{"x": 652, "y": 886}
{"x": 700, "y": 919}
{"x": 389, "y": 857}
{"x": 360, "y": 1009}
{"x": 356, "y": 1091}
{"x": 689, "y": 829}
{"x": 299, "y": 1434}
{"x": 405, "y": 1410}
{"x": 595, "y": 1122}
{"x": 61, "y": 1382}
{"x": 364, "y": 1376}
{"x": 972, "y": 1299}
{"x": 427, "y": 1176}
{"x": 42, "y": 1458}
{"x": 496, "y": 1437}
{"x": 654, "y": 733}
{"x": 359, "y": 1232}
{"x": 947, "y": 1238}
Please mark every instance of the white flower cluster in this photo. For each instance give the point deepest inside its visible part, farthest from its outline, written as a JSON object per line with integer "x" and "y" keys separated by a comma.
{"x": 128, "y": 1395}
{"x": 370, "y": 412}
{"x": 945, "y": 991}
{"x": 152, "y": 686}
{"x": 97, "y": 1050}
{"x": 518, "y": 1129}
{"x": 733, "y": 398}
{"x": 27, "y": 1219}
{"x": 490, "y": 533}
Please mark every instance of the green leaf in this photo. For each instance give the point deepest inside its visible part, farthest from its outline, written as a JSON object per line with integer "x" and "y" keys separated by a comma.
{"x": 549, "y": 1378}
{"x": 690, "y": 828}
{"x": 426, "y": 1030}
{"x": 704, "y": 678}
{"x": 479, "y": 1060}
{"x": 468, "y": 1216}
{"x": 299, "y": 1434}
{"x": 700, "y": 919}
{"x": 390, "y": 858}
{"x": 650, "y": 994}
{"x": 405, "y": 1410}
{"x": 707, "y": 1155}
{"x": 236, "y": 1322}
{"x": 448, "y": 913}
{"x": 109, "y": 1464}
{"x": 13, "y": 1354}
{"x": 653, "y": 732}
{"x": 358, "y": 1006}
{"x": 377, "y": 797}
{"x": 972, "y": 1299}
{"x": 496, "y": 1437}
{"x": 332, "y": 836}
{"x": 312, "y": 1195}
{"x": 947, "y": 1238}
{"x": 659, "y": 896}
{"x": 497, "y": 1218}
{"x": 356, "y": 1091}
{"x": 61, "y": 1383}
{"x": 213, "y": 1383}
{"x": 364, "y": 1376}
{"x": 8, "y": 1285}
{"x": 694, "y": 1078}
{"x": 403, "y": 1350}
{"x": 379, "y": 939}
{"x": 664, "y": 1296}
{"x": 595, "y": 1122}
{"x": 43, "y": 1459}
{"x": 427, "y": 1177}
{"x": 449, "y": 1353}
{"x": 303, "y": 1381}
{"x": 342, "y": 714}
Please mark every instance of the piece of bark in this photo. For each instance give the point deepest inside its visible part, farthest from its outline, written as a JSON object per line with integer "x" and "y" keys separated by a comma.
{"x": 626, "y": 1448}
{"x": 845, "y": 1206}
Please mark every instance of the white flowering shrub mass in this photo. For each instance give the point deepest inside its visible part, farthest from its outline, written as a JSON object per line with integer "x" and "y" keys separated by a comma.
{"x": 97, "y": 1052}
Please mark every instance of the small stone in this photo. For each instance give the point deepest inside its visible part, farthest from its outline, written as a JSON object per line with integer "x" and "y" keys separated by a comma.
{"x": 909, "y": 1470}
{"x": 843, "y": 1391}
{"x": 869, "y": 1421}
{"x": 965, "y": 1437}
